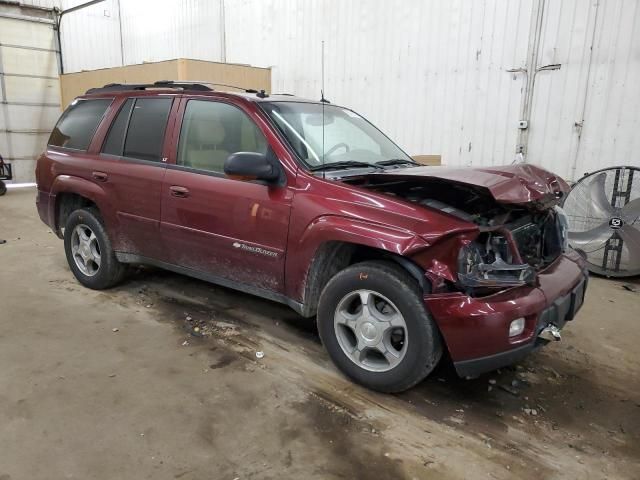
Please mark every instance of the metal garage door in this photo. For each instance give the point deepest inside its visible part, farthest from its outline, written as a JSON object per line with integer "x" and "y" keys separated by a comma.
{"x": 29, "y": 90}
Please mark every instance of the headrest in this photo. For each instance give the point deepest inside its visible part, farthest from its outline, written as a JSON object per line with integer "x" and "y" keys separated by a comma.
{"x": 208, "y": 131}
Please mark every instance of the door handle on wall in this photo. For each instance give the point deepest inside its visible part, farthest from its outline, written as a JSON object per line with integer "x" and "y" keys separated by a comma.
{"x": 178, "y": 191}
{"x": 100, "y": 176}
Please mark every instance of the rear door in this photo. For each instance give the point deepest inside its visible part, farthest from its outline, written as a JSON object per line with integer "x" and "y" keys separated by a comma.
{"x": 132, "y": 169}
{"x": 230, "y": 229}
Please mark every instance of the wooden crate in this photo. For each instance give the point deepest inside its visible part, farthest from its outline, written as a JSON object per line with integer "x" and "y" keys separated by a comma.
{"x": 245, "y": 76}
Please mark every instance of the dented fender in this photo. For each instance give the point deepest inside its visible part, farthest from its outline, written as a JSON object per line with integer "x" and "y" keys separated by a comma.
{"x": 426, "y": 249}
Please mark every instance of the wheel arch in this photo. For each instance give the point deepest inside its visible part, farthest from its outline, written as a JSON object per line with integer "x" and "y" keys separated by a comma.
{"x": 333, "y": 256}
{"x": 72, "y": 193}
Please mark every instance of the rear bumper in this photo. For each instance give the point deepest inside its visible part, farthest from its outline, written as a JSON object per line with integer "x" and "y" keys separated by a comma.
{"x": 45, "y": 204}
{"x": 476, "y": 329}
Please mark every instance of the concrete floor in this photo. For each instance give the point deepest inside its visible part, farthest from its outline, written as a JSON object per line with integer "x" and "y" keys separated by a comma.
{"x": 156, "y": 399}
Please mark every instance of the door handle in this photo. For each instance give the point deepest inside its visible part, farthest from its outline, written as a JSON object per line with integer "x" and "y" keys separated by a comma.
{"x": 178, "y": 191}
{"x": 100, "y": 176}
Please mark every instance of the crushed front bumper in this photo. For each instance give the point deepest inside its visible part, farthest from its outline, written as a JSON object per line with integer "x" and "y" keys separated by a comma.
{"x": 476, "y": 330}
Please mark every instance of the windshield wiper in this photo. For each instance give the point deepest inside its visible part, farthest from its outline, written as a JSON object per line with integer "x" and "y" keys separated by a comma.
{"x": 397, "y": 161}
{"x": 346, "y": 164}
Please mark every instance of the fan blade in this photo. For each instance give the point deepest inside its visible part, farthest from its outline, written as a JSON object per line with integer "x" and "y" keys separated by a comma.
{"x": 631, "y": 238}
{"x": 631, "y": 211}
{"x": 595, "y": 236}
{"x": 600, "y": 205}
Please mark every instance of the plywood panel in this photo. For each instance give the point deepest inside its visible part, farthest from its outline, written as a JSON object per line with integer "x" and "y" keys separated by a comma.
{"x": 75, "y": 84}
{"x": 243, "y": 76}
{"x": 431, "y": 160}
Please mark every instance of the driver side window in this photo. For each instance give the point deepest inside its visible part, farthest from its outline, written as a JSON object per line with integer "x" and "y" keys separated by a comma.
{"x": 211, "y": 131}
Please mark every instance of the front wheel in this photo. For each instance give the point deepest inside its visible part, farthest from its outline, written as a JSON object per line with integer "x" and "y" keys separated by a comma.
{"x": 374, "y": 325}
{"x": 89, "y": 252}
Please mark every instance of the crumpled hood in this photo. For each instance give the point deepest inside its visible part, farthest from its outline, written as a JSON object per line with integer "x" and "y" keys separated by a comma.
{"x": 515, "y": 184}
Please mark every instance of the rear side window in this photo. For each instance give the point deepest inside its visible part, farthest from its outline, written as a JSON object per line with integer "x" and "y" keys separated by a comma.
{"x": 78, "y": 123}
{"x": 115, "y": 138}
{"x": 138, "y": 130}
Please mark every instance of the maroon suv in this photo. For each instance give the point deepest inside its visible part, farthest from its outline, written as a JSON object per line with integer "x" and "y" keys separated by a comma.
{"x": 308, "y": 204}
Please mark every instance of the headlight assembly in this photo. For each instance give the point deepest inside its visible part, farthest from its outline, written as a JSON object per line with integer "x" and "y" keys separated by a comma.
{"x": 480, "y": 265}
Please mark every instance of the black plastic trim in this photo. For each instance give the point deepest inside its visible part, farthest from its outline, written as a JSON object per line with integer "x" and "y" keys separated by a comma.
{"x": 476, "y": 366}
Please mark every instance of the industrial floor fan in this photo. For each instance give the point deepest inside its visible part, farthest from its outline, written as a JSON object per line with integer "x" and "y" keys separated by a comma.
{"x": 604, "y": 220}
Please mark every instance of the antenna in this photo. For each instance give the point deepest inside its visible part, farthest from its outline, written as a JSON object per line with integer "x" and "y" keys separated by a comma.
{"x": 322, "y": 100}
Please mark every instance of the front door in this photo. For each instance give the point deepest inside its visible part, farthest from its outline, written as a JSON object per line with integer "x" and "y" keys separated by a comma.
{"x": 230, "y": 229}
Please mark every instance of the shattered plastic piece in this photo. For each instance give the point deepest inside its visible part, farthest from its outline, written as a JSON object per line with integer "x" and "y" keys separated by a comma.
{"x": 115, "y": 329}
{"x": 492, "y": 381}
{"x": 185, "y": 343}
{"x": 259, "y": 355}
{"x": 2, "y": 242}
{"x": 628, "y": 286}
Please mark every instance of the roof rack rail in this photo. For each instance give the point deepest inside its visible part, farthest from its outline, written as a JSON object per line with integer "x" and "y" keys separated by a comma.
{"x": 119, "y": 87}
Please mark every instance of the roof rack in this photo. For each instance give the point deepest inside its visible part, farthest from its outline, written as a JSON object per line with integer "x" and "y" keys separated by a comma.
{"x": 118, "y": 87}
{"x": 200, "y": 86}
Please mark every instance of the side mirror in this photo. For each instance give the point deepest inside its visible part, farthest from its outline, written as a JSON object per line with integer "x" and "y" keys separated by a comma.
{"x": 251, "y": 166}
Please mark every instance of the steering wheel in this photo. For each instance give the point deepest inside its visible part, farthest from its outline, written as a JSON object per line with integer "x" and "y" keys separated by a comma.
{"x": 337, "y": 146}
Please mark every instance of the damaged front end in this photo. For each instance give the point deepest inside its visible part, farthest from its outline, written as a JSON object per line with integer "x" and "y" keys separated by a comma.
{"x": 515, "y": 238}
{"x": 509, "y": 255}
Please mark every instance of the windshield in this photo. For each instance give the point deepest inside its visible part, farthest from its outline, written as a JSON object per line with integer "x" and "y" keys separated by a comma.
{"x": 347, "y": 136}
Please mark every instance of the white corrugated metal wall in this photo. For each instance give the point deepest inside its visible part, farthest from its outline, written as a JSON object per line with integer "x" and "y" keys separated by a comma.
{"x": 431, "y": 73}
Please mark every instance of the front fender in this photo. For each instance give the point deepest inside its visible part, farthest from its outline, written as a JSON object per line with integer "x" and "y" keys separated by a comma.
{"x": 334, "y": 228}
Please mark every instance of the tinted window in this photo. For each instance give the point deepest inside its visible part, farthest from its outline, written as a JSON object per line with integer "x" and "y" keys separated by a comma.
{"x": 145, "y": 134}
{"x": 78, "y": 124}
{"x": 115, "y": 139}
{"x": 211, "y": 131}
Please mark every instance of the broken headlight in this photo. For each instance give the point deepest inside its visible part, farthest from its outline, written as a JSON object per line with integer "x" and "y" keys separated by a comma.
{"x": 484, "y": 265}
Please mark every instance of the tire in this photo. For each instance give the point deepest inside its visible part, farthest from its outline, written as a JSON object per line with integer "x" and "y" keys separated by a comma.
{"x": 391, "y": 289}
{"x": 95, "y": 275}
{"x": 3, "y": 188}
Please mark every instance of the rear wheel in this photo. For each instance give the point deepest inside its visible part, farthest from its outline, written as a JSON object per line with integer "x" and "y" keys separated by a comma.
{"x": 3, "y": 188}
{"x": 89, "y": 252}
{"x": 374, "y": 325}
